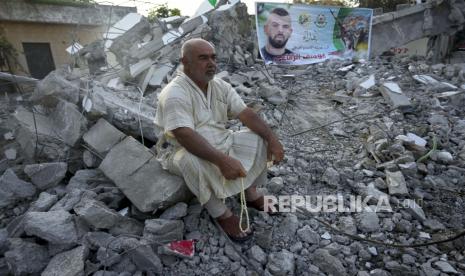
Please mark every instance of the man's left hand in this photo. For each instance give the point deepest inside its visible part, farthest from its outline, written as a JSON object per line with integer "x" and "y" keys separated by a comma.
{"x": 275, "y": 150}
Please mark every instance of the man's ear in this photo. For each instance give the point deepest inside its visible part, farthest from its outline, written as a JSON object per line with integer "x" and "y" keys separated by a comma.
{"x": 265, "y": 29}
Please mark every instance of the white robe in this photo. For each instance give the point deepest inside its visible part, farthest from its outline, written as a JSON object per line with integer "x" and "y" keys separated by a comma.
{"x": 182, "y": 104}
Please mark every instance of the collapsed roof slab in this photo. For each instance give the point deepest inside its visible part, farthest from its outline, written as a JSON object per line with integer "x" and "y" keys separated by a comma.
{"x": 422, "y": 20}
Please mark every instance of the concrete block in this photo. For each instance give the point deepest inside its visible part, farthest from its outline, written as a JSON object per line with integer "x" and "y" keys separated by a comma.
{"x": 12, "y": 188}
{"x": 25, "y": 257}
{"x": 102, "y": 136}
{"x": 46, "y": 175}
{"x": 48, "y": 143}
{"x": 159, "y": 75}
{"x": 124, "y": 112}
{"x": 146, "y": 260}
{"x": 163, "y": 230}
{"x": 139, "y": 67}
{"x": 69, "y": 263}
{"x": 43, "y": 203}
{"x": 135, "y": 170}
{"x": 396, "y": 183}
{"x": 56, "y": 86}
{"x": 69, "y": 123}
{"x": 96, "y": 214}
{"x": 192, "y": 23}
{"x": 3, "y": 240}
{"x": 149, "y": 49}
{"x": 53, "y": 226}
{"x": 414, "y": 209}
{"x": 396, "y": 99}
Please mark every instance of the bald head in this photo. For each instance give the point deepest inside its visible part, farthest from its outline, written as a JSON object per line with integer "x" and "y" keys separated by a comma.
{"x": 199, "y": 61}
{"x": 189, "y": 46}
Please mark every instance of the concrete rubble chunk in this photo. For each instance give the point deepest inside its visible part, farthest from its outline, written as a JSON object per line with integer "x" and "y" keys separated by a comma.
{"x": 43, "y": 203}
{"x": 121, "y": 110}
{"x": 46, "y": 175}
{"x": 135, "y": 170}
{"x": 445, "y": 267}
{"x": 328, "y": 263}
{"x": 272, "y": 93}
{"x": 159, "y": 75}
{"x": 281, "y": 263}
{"x": 25, "y": 257}
{"x": 3, "y": 240}
{"x": 257, "y": 253}
{"x": 48, "y": 142}
{"x": 396, "y": 183}
{"x": 10, "y": 154}
{"x": 414, "y": 209}
{"x": 164, "y": 231}
{"x": 139, "y": 67}
{"x": 56, "y": 86}
{"x": 69, "y": 123}
{"x": 191, "y": 24}
{"x": 12, "y": 188}
{"x": 67, "y": 202}
{"x": 368, "y": 222}
{"x": 53, "y": 226}
{"x": 69, "y": 263}
{"x": 307, "y": 234}
{"x": 127, "y": 34}
{"x": 145, "y": 259}
{"x": 96, "y": 214}
{"x": 175, "y": 212}
{"x": 392, "y": 96}
{"x": 102, "y": 136}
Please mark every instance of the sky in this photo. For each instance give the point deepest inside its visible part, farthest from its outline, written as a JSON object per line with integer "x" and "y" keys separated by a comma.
{"x": 187, "y": 7}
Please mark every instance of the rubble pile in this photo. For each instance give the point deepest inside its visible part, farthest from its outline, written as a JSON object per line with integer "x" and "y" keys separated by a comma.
{"x": 81, "y": 192}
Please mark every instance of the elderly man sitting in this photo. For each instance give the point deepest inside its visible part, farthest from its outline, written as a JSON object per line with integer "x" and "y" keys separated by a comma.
{"x": 215, "y": 162}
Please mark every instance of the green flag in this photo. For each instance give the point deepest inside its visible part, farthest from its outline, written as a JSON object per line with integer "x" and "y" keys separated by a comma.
{"x": 212, "y": 2}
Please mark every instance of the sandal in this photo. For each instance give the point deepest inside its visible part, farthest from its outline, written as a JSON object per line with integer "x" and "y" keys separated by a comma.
{"x": 231, "y": 227}
{"x": 259, "y": 204}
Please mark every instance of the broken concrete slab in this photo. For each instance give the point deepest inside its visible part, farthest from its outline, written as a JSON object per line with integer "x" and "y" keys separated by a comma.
{"x": 396, "y": 183}
{"x": 12, "y": 188}
{"x": 163, "y": 230}
{"x": 192, "y": 23}
{"x": 414, "y": 209}
{"x": 69, "y": 123}
{"x": 102, "y": 136}
{"x": 46, "y": 175}
{"x": 145, "y": 259}
{"x": 96, "y": 214}
{"x": 328, "y": 263}
{"x": 135, "y": 170}
{"x": 175, "y": 212}
{"x": 53, "y": 226}
{"x": 127, "y": 34}
{"x": 140, "y": 66}
{"x": 46, "y": 143}
{"x": 43, "y": 203}
{"x": 390, "y": 92}
{"x": 134, "y": 117}
{"x": 26, "y": 257}
{"x": 69, "y": 263}
{"x": 159, "y": 75}
{"x": 55, "y": 86}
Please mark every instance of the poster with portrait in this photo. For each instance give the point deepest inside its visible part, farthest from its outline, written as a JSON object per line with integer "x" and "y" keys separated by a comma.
{"x": 301, "y": 34}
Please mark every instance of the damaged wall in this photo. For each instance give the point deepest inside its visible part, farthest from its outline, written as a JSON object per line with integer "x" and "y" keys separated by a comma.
{"x": 56, "y": 25}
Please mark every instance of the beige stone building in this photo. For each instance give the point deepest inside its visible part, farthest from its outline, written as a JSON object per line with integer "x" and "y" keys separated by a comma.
{"x": 41, "y": 33}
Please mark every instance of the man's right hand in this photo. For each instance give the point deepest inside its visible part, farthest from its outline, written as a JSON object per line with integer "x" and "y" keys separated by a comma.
{"x": 231, "y": 168}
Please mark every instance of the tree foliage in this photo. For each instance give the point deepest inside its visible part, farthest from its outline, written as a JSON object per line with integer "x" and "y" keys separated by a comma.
{"x": 162, "y": 11}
